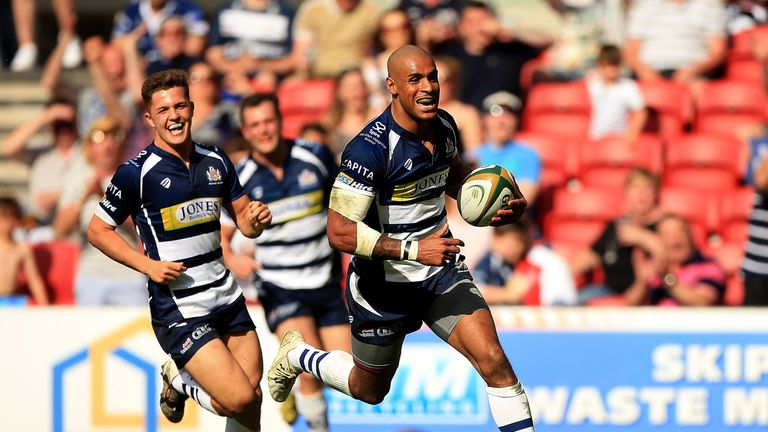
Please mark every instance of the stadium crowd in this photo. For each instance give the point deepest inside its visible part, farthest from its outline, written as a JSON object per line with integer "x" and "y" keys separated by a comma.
{"x": 637, "y": 130}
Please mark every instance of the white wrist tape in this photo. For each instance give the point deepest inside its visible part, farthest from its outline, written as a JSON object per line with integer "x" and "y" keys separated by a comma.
{"x": 366, "y": 240}
{"x": 409, "y": 250}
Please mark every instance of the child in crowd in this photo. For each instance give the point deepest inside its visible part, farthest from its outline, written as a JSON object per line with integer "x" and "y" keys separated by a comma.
{"x": 17, "y": 257}
{"x": 618, "y": 106}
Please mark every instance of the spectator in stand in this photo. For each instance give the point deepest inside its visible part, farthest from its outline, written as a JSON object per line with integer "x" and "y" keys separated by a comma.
{"x": 50, "y": 166}
{"x": 614, "y": 248}
{"x": 584, "y": 26}
{"x": 315, "y": 132}
{"x": 618, "y": 106}
{"x": 517, "y": 271}
{"x": 755, "y": 264}
{"x": 745, "y": 14}
{"x": 350, "y": 111}
{"x": 100, "y": 280}
{"x": 467, "y": 116}
{"x": 116, "y": 74}
{"x": 216, "y": 120}
{"x": 682, "y": 40}
{"x": 393, "y": 32}
{"x": 24, "y": 22}
{"x": 251, "y": 37}
{"x": 685, "y": 277}
{"x": 151, "y": 14}
{"x": 500, "y": 120}
{"x": 331, "y": 36}
{"x": 492, "y": 57}
{"x": 18, "y": 258}
{"x": 170, "y": 42}
{"x": 435, "y": 21}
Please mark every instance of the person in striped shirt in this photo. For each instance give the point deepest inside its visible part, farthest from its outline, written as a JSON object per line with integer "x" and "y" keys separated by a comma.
{"x": 298, "y": 273}
{"x": 174, "y": 190}
{"x": 387, "y": 207}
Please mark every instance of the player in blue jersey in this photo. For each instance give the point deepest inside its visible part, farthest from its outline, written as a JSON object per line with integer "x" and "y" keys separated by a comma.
{"x": 174, "y": 191}
{"x": 387, "y": 207}
{"x": 299, "y": 274}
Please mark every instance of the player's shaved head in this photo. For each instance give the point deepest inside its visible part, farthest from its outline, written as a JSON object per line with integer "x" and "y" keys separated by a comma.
{"x": 412, "y": 83}
{"x": 402, "y": 59}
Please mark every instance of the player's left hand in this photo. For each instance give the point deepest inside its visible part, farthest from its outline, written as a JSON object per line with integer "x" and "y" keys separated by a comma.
{"x": 512, "y": 212}
{"x": 259, "y": 215}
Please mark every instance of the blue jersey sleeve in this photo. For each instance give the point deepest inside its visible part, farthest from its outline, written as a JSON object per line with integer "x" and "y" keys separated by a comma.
{"x": 363, "y": 166}
{"x": 121, "y": 199}
{"x": 232, "y": 181}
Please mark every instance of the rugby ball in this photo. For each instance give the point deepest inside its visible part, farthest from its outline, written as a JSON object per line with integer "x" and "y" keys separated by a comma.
{"x": 485, "y": 190}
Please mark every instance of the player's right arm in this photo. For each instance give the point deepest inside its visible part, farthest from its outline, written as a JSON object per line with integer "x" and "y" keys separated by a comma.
{"x": 120, "y": 201}
{"x": 353, "y": 192}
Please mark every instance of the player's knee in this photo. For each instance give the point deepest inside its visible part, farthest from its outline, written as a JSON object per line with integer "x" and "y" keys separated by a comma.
{"x": 242, "y": 403}
{"x": 495, "y": 369}
{"x": 373, "y": 396}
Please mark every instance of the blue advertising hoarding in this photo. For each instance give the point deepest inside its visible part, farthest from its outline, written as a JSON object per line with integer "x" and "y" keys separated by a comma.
{"x": 581, "y": 381}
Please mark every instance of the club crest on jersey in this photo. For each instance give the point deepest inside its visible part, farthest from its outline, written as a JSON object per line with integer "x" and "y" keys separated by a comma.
{"x": 213, "y": 174}
{"x": 307, "y": 178}
{"x": 257, "y": 192}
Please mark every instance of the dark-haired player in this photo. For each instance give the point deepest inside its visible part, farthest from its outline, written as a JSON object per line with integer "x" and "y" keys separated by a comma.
{"x": 174, "y": 190}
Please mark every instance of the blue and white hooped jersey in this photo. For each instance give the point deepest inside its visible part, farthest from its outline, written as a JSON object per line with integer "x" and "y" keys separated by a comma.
{"x": 294, "y": 252}
{"x": 407, "y": 182}
{"x": 176, "y": 211}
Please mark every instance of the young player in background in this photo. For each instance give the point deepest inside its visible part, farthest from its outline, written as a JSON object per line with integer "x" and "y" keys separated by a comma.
{"x": 174, "y": 190}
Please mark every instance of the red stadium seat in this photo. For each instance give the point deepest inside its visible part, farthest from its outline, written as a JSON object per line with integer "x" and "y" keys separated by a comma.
{"x": 670, "y": 106}
{"x": 578, "y": 217}
{"x": 704, "y": 161}
{"x": 695, "y": 206}
{"x": 303, "y": 102}
{"x": 743, "y": 44}
{"x": 557, "y": 157}
{"x": 734, "y": 291}
{"x": 606, "y": 162}
{"x": 57, "y": 263}
{"x": 747, "y": 70}
{"x": 733, "y": 215}
{"x": 730, "y": 257}
{"x": 725, "y": 105}
{"x": 558, "y": 109}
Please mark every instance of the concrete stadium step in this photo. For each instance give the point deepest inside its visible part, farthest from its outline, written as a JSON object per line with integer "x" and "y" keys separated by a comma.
{"x": 13, "y": 174}
{"x": 13, "y": 115}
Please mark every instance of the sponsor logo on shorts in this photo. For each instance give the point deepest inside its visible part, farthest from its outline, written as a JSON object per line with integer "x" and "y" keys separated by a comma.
{"x": 383, "y": 331}
{"x": 283, "y": 311}
{"x": 186, "y": 345}
{"x": 201, "y": 331}
{"x": 366, "y": 333}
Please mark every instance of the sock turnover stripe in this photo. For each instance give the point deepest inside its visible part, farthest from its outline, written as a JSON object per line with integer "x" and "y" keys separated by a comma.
{"x": 309, "y": 361}
{"x": 317, "y": 365}
{"x": 301, "y": 360}
{"x": 518, "y": 425}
